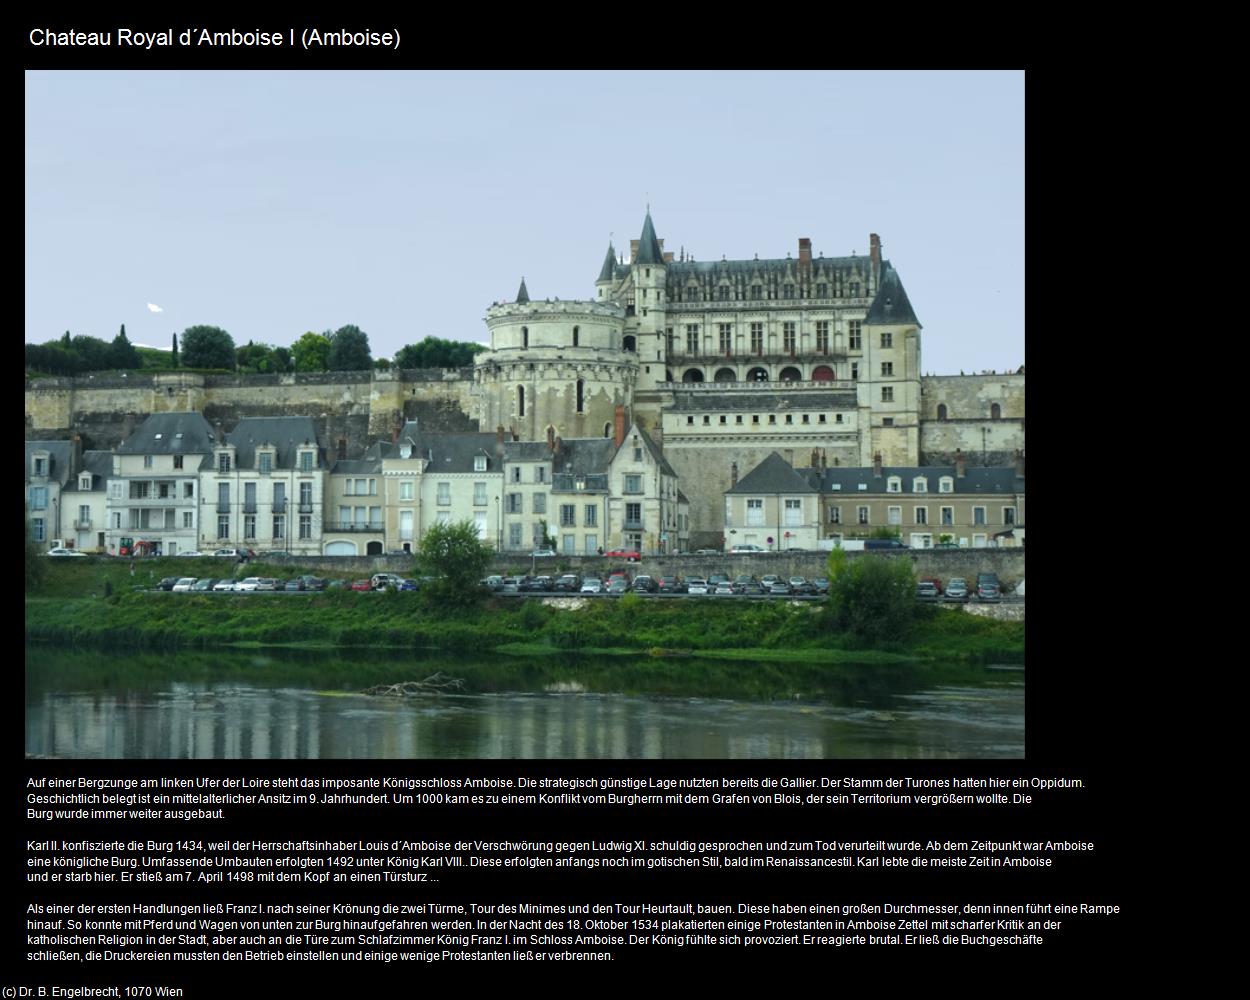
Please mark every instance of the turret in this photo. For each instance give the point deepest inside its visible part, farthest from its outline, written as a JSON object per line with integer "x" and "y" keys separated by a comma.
{"x": 650, "y": 306}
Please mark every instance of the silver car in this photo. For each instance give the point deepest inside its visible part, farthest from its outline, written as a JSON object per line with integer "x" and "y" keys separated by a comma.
{"x": 592, "y": 585}
{"x": 184, "y": 584}
{"x": 226, "y": 585}
{"x": 697, "y": 586}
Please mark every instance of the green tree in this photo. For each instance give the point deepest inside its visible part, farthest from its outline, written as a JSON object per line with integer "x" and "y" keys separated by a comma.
{"x": 381, "y": 364}
{"x": 881, "y": 531}
{"x": 311, "y": 352}
{"x": 124, "y": 353}
{"x": 457, "y": 557}
{"x": 207, "y": 347}
{"x": 174, "y": 360}
{"x": 93, "y": 353}
{"x": 349, "y": 350}
{"x": 282, "y": 361}
{"x": 873, "y": 598}
{"x": 434, "y": 352}
{"x": 254, "y": 358}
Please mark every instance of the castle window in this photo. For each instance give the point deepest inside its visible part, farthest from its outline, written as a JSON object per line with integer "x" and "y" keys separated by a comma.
{"x": 887, "y": 369}
{"x": 581, "y": 396}
{"x": 789, "y": 418}
{"x": 607, "y": 428}
{"x": 854, "y": 371}
{"x": 726, "y": 338}
{"x": 757, "y": 338}
{"x": 757, "y": 292}
{"x": 738, "y": 419}
{"x": 887, "y": 340}
{"x": 689, "y": 421}
{"x": 520, "y": 400}
{"x": 887, "y": 421}
{"x": 855, "y": 336}
{"x": 941, "y": 411}
{"x": 692, "y": 339}
{"x": 837, "y": 419}
{"x": 755, "y": 418}
{"x": 787, "y": 292}
{"x": 525, "y": 336}
{"x": 887, "y": 394}
{"x": 706, "y": 420}
{"x": 822, "y": 291}
{"x": 575, "y": 334}
{"x": 787, "y": 337}
{"x": 822, "y": 336}
{"x": 806, "y": 419}
{"x": 996, "y": 412}
{"x": 724, "y": 419}
{"x": 629, "y": 344}
{"x": 854, "y": 289}
{"x": 772, "y": 418}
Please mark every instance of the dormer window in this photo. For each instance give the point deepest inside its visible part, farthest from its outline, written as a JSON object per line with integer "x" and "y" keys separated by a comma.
{"x": 306, "y": 461}
{"x": 920, "y": 485}
{"x": 223, "y": 461}
{"x": 265, "y": 461}
{"x": 479, "y": 463}
{"x": 894, "y": 485}
{"x": 84, "y": 482}
{"x": 946, "y": 485}
{"x": 39, "y": 465}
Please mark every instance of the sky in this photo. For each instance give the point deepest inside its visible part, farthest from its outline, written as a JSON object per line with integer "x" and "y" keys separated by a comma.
{"x": 406, "y": 203}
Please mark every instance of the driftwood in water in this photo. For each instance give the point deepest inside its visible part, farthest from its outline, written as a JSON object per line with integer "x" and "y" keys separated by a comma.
{"x": 438, "y": 683}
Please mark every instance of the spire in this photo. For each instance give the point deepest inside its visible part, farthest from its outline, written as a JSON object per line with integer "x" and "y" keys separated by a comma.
{"x": 522, "y": 295}
{"x": 891, "y": 305}
{"x": 648, "y": 245}
{"x": 608, "y": 271}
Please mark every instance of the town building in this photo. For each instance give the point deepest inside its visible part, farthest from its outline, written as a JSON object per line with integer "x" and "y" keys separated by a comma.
{"x": 84, "y": 499}
{"x": 49, "y": 465}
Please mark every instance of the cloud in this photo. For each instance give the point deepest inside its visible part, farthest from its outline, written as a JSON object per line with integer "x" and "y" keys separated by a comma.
{"x": 153, "y": 308}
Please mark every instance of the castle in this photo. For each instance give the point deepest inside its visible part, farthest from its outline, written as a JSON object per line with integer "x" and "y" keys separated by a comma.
{"x": 718, "y": 363}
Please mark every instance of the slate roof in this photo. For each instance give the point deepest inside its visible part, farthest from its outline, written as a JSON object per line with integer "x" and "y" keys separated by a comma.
{"x": 584, "y": 456}
{"x": 682, "y": 498}
{"x": 455, "y": 452}
{"x": 287, "y": 433}
{"x": 997, "y": 479}
{"x": 356, "y": 466}
{"x": 766, "y": 400}
{"x": 608, "y": 271}
{"x": 59, "y": 458}
{"x": 822, "y": 269}
{"x": 891, "y": 305}
{"x": 648, "y": 246}
{"x": 184, "y": 433}
{"x": 526, "y": 451}
{"x": 651, "y": 447}
{"x": 773, "y": 475}
{"x": 99, "y": 464}
{"x": 522, "y": 294}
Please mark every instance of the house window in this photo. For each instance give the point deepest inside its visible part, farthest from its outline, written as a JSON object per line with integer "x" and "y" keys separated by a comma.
{"x": 894, "y": 515}
{"x": 637, "y": 454}
{"x": 479, "y": 494}
{"x": 514, "y": 503}
{"x": 37, "y": 529}
{"x": 920, "y": 485}
{"x": 854, "y": 371}
{"x": 347, "y": 488}
{"x": 633, "y": 484}
{"x": 540, "y": 473}
{"x": 569, "y": 545}
{"x": 249, "y": 526}
{"x": 405, "y": 526}
{"x": 835, "y": 515}
{"x": 305, "y": 497}
{"x": 787, "y": 337}
{"x": 854, "y": 336}
{"x": 279, "y": 498}
{"x": 946, "y": 485}
{"x": 266, "y": 461}
{"x": 147, "y": 461}
{"x": 362, "y": 488}
{"x": 887, "y": 369}
{"x": 540, "y": 503}
{"x": 633, "y": 515}
{"x": 755, "y": 513}
{"x": 794, "y": 513}
{"x": 516, "y": 473}
{"x": 177, "y": 461}
{"x": 279, "y": 526}
{"x": 514, "y": 535}
{"x": 887, "y": 394}
{"x": 591, "y": 518}
{"x": 41, "y": 466}
{"x": 406, "y": 489}
{"x": 188, "y": 519}
{"x": 692, "y": 339}
{"x": 862, "y": 514}
{"x": 822, "y": 336}
{"x": 305, "y": 461}
{"x": 948, "y": 516}
{"x": 1009, "y": 515}
{"x": 757, "y": 338}
{"x": 726, "y": 338}
{"x": 444, "y": 517}
{"x": 568, "y": 515}
{"x": 592, "y": 544}
{"x": 444, "y": 494}
{"x": 38, "y": 498}
{"x": 479, "y": 463}
{"x": 822, "y": 291}
{"x": 223, "y": 462}
{"x": 894, "y": 485}
{"x": 978, "y": 515}
{"x": 887, "y": 340}
{"x": 922, "y": 515}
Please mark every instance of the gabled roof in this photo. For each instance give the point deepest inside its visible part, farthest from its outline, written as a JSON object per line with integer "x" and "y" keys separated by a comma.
{"x": 99, "y": 464}
{"x": 285, "y": 433}
{"x": 773, "y": 475}
{"x": 584, "y": 456}
{"x": 608, "y": 271}
{"x": 651, "y": 447}
{"x": 648, "y": 246}
{"x": 184, "y": 433}
{"x": 983, "y": 479}
{"x": 59, "y": 458}
{"x": 891, "y": 306}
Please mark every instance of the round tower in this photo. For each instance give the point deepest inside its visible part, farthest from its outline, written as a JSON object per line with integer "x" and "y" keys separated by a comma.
{"x": 558, "y": 364}
{"x": 649, "y": 275}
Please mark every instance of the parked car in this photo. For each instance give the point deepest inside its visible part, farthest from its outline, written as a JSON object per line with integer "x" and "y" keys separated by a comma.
{"x": 293, "y": 586}
{"x": 878, "y": 544}
{"x": 957, "y": 590}
{"x": 592, "y": 585}
{"x": 722, "y": 589}
{"x": 493, "y": 582}
{"x": 798, "y": 585}
{"x": 696, "y": 586}
{"x": 541, "y": 584}
{"x": 821, "y": 584}
{"x": 411, "y": 585}
{"x": 168, "y": 583}
{"x": 204, "y": 585}
{"x": 543, "y": 553}
{"x": 380, "y": 581}
{"x": 925, "y": 591}
{"x": 362, "y": 585}
{"x": 184, "y": 584}
{"x": 618, "y": 585}
{"x": 989, "y": 578}
{"x": 780, "y": 588}
{"x": 935, "y": 581}
{"x": 570, "y": 583}
{"x": 989, "y": 593}
{"x": 336, "y": 585}
{"x": 671, "y": 585}
{"x": 228, "y": 553}
{"x": 768, "y": 579}
{"x": 64, "y": 552}
{"x": 644, "y": 584}
{"x": 313, "y": 583}
{"x": 752, "y": 589}
{"x": 511, "y": 584}
{"x": 224, "y": 586}
{"x": 629, "y": 555}
{"x": 716, "y": 578}
{"x": 247, "y": 584}
{"x": 744, "y": 549}
{"x": 707, "y": 552}
{"x": 741, "y": 580}
{"x": 193, "y": 552}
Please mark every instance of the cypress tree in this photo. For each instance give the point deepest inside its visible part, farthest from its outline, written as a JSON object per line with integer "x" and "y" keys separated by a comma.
{"x": 175, "y": 360}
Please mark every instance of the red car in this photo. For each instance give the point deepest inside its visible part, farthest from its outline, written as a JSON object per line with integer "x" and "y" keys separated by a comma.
{"x": 362, "y": 585}
{"x": 629, "y": 555}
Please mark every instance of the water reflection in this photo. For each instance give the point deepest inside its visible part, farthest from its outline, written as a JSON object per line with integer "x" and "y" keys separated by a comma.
{"x": 237, "y": 705}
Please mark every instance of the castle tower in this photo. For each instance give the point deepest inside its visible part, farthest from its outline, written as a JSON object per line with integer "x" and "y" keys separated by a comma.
{"x": 649, "y": 271}
{"x": 553, "y": 363}
{"x": 889, "y": 382}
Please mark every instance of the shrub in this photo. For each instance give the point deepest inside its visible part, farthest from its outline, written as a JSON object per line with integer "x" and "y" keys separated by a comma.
{"x": 874, "y": 599}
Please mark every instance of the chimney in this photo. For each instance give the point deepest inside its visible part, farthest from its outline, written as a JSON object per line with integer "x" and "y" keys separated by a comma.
{"x": 815, "y": 459}
{"x": 633, "y": 251}
{"x": 733, "y": 475}
{"x": 395, "y": 433}
{"x": 618, "y": 435}
{"x": 874, "y": 254}
{"x": 668, "y": 256}
{"x": 876, "y": 464}
{"x": 218, "y": 434}
{"x": 1019, "y": 464}
{"x": 76, "y": 456}
{"x": 342, "y": 449}
{"x": 499, "y": 434}
{"x": 556, "y": 447}
{"x": 961, "y": 464}
{"x": 551, "y": 438}
{"x": 824, "y": 459}
{"x": 805, "y": 256}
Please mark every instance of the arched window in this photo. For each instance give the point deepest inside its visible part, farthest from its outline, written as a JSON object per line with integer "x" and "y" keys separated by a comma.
{"x": 525, "y": 336}
{"x": 692, "y": 375}
{"x": 726, "y": 375}
{"x": 581, "y": 395}
{"x": 520, "y": 400}
{"x": 575, "y": 332}
{"x": 607, "y": 430}
{"x": 668, "y": 374}
{"x": 822, "y": 373}
{"x": 757, "y": 375}
{"x": 996, "y": 411}
{"x": 941, "y": 411}
{"x": 790, "y": 375}
{"x": 629, "y": 344}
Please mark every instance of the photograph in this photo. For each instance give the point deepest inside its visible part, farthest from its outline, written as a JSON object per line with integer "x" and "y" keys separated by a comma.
{"x": 542, "y": 414}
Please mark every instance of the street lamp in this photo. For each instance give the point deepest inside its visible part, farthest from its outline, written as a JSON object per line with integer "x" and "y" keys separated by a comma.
{"x": 498, "y": 526}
